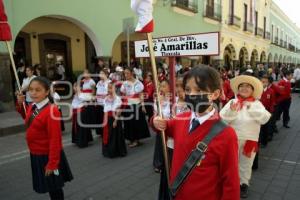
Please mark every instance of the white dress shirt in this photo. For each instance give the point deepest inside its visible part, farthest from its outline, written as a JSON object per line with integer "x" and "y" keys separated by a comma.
{"x": 201, "y": 119}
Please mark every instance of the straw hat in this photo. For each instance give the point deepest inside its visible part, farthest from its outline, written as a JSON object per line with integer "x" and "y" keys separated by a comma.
{"x": 256, "y": 84}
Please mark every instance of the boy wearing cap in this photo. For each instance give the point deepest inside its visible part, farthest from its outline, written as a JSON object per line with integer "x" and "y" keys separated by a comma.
{"x": 246, "y": 114}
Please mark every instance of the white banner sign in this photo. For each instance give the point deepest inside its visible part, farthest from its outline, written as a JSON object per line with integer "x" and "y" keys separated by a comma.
{"x": 183, "y": 45}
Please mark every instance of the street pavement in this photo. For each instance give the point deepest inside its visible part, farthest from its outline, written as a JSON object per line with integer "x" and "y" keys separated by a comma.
{"x": 132, "y": 177}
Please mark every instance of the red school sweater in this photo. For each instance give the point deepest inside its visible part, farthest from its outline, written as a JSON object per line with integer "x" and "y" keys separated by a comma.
{"x": 44, "y": 135}
{"x": 217, "y": 178}
{"x": 268, "y": 99}
{"x": 285, "y": 90}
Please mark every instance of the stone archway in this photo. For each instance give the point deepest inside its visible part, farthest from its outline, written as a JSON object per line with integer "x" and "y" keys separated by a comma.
{"x": 280, "y": 59}
{"x": 68, "y": 42}
{"x": 229, "y": 57}
{"x": 276, "y": 59}
{"x": 263, "y": 57}
{"x": 284, "y": 60}
{"x": 254, "y": 58}
{"x": 270, "y": 59}
{"x": 243, "y": 57}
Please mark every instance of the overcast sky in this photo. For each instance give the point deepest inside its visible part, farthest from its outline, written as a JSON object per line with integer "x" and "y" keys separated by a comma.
{"x": 291, "y": 8}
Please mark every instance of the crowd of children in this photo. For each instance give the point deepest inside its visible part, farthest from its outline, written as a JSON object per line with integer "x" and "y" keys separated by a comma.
{"x": 117, "y": 105}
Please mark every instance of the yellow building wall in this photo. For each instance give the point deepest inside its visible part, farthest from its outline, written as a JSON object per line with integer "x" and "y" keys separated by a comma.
{"x": 58, "y": 26}
{"x": 237, "y": 37}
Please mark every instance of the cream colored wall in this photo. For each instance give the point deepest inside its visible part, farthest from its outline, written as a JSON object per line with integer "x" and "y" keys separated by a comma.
{"x": 239, "y": 38}
{"x": 116, "y": 50}
{"x": 58, "y": 26}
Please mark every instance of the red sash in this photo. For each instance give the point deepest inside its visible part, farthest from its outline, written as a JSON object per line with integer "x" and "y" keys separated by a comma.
{"x": 87, "y": 91}
{"x": 106, "y": 127}
{"x": 250, "y": 146}
{"x": 125, "y": 98}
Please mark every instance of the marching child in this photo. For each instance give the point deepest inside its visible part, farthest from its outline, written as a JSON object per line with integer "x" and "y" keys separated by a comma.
{"x": 148, "y": 95}
{"x": 87, "y": 94}
{"x": 101, "y": 93}
{"x": 246, "y": 114}
{"x": 165, "y": 101}
{"x": 113, "y": 142}
{"x": 50, "y": 168}
{"x": 285, "y": 99}
{"x": 77, "y": 105}
{"x": 268, "y": 100}
{"x": 135, "y": 124}
{"x": 215, "y": 175}
{"x": 179, "y": 107}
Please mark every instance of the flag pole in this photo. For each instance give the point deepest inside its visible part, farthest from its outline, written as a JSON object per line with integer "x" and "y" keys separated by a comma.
{"x": 155, "y": 78}
{"x": 14, "y": 69}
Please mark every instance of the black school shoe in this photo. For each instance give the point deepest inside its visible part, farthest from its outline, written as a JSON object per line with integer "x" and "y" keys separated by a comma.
{"x": 286, "y": 126}
{"x": 244, "y": 191}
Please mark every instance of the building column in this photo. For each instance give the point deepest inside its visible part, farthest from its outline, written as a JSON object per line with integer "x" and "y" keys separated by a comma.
{"x": 6, "y": 82}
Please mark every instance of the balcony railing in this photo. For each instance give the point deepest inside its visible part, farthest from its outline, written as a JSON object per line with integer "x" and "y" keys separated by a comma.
{"x": 267, "y": 35}
{"x": 281, "y": 43}
{"x": 188, "y": 5}
{"x": 213, "y": 11}
{"x": 291, "y": 47}
{"x": 260, "y": 32}
{"x": 276, "y": 41}
{"x": 248, "y": 27}
{"x": 234, "y": 21}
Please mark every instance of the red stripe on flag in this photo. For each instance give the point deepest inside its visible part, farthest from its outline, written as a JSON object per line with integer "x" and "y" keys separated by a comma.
{"x": 148, "y": 28}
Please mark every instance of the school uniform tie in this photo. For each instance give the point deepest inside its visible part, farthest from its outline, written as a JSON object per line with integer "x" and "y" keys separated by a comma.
{"x": 195, "y": 124}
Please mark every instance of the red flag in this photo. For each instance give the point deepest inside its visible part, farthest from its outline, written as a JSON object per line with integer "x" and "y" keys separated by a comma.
{"x": 5, "y": 33}
{"x": 143, "y": 9}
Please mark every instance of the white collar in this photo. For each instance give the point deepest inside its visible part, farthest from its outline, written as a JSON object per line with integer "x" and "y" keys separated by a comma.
{"x": 41, "y": 104}
{"x": 203, "y": 118}
{"x": 285, "y": 79}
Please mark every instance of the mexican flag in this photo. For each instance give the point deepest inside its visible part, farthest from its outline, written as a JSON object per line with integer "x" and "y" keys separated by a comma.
{"x": 143, "y": 9}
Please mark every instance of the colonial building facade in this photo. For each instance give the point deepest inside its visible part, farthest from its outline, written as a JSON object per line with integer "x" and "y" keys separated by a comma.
{"x": 76, "y": 33}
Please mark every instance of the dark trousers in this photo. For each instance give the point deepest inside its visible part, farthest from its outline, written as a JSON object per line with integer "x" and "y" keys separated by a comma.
{"x": 284, "y": 110}
{"x": 57, "y": 194}
{"x": 272, "y": 123}
{"x": 265, "y": 134}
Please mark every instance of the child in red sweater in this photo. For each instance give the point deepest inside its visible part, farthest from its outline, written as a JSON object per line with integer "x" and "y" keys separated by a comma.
{"x": 285, "y": 99}
{"x": 50, "y": 168}
{"x": 217, "y": 176}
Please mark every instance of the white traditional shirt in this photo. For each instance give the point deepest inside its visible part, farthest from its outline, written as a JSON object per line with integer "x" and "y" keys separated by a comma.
{"x": 101, "y": 92}
{"x": 86, "y": 93}
{"x": 131, "y": 90}
{"x": 166, "y": 112}
{"x": 77, "y": 102}
{"x": 25, "y": 84}
{"x": 112, "y": 104}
